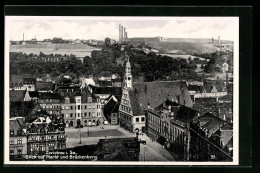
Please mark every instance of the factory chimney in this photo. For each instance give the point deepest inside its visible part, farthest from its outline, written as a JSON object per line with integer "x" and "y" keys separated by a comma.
{"x": 126, "y": 35}
{"x": 122, "y": 33}
{"x": 119, "y": 32}
{"x": 218, "y": 39}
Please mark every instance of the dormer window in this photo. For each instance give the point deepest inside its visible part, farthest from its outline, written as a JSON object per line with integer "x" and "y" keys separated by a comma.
{"x": 89, "y": 99}
{"x": 78, "y": 100}
{"x": 67, "y": 100}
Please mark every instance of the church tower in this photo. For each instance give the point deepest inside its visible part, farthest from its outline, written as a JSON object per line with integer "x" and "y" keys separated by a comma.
{"x": 128, "y": 79}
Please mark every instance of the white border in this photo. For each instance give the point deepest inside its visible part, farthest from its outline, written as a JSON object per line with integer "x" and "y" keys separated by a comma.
{"x": 6, "y": 98}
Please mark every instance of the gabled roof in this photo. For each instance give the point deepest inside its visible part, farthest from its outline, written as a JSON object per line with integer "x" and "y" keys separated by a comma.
{"x": 219, "y": 85}
{"x": 16, "y": 125}
{"x": 155, "y": 93}
{"x": 17, "y": 95}
{"x": 181, "y": 113}
{"x": 211, "y": 122}
{"x": 85, "y": 94}
{"x": 111, "y": 107}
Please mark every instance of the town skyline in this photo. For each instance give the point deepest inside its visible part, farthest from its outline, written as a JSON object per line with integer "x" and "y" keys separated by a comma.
{"x": 101, "y": 27}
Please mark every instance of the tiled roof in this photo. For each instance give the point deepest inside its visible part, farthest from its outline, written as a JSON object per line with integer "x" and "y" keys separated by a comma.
{"x": 17, "y": 95}
{"x": 208, "y": 86}
{"x": 29, "y": 80}
{"x": 116, "y": 91}
{"x": 24, "y": 109}
{"x": 49, "y": 95}
{"x": 34, "y": 94}
{"x": 181, "y": 113}
{"x": 155, "y": 93}
{"x": 185, "y": 114}
{"x": 44, "y": 86}
{"x": 85, "y": 94}
{"x": 211, "y": 122}
{"x": 16, "y": 80}
{"x": 111, "y": 107}
{"x": 15, "y": 125}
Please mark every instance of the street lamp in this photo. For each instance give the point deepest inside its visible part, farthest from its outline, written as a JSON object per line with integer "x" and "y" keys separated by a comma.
{"x": 79, "y": 136}
{"x": 144, "y": 153}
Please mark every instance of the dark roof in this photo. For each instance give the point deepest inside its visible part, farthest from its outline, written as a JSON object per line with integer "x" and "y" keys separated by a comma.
{"x": 16, "y": 125}
{"x": 111, "y": 107}
{"x": 205, "y": 100}
{"x": 29, "y": 80}
{"x": 211, "y": 122}
{"x": 44, "y": 86}
{"x": 155, "y": 93}
{"x": 116, "y": 91}
{"x": 117, "y": 80}
{"x": 104, "y": 83}
{"x": 181, "y": 113}
{"x": 228, "y": 97}
{"x": 196, "y": 88}
{"x": 24, "y": 109}
{"x": 16, "y": 80}
{"x": 85, "y": 94}
{"x": 17, "y": 95}
{"x": 220, "y": 86}
{"x": 49, "y": 95}
{"x": 34, "y": 94}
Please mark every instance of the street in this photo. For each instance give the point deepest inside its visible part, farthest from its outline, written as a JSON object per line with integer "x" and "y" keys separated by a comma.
{"x": 151, "y": 151}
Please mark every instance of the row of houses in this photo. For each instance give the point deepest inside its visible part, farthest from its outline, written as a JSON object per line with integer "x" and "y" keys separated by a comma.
{"x": 33, "y": 131}
{"x": 165, "y": 111}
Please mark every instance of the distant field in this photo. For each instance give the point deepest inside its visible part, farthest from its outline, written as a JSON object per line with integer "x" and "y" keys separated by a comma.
{"x": 80, "y": 50}
{"x": 187, "y": 47}
{"x": 184, "y": 56}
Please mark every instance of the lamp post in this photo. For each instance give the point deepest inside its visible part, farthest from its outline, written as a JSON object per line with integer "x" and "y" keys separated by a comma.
{"x": 79, "y": 136}
{"x": 144, "y": 153}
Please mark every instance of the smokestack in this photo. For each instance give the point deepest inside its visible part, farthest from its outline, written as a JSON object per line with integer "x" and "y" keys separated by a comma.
{"x": 125, "y": 34}
{"x": 218, "y": 39}
{"x": 119, "y": 32}
{"x": 122, "y": 32}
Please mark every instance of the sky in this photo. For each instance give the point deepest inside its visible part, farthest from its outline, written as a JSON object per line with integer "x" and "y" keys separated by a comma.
{"x": 43, "y": 27}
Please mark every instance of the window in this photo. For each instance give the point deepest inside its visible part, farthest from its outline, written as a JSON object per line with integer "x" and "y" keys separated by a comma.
{"x": 67, "y": 115}
{"x": 85, "y": 106}
{"x": 137, "y": 120}
{"x": 78, "y": 114}
{"x": 11, "y": 152}
{"x": 93, "y": 106}
{"x": 19, "y": 141}
{"x": 142, "y": 119}
{"x": 71, "y": 107}
{"x": 71, "y": 115}
{"x": 78, "y": 101}
{"x": 78, "y": 107}
{"x": 67, "y": 107}
{"x": 97, "y": 106}
{"x": 89, "y": 114}
{"x": 85, "y": 114}
{"x": 11, "y": 142}
{"x": 19, "y": 151}
{"x": 11, "y": 132}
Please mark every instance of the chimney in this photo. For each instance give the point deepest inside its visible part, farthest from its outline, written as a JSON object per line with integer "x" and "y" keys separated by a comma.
{"x": 122, "y": 33}
{"x": 212, "y": 40}
{"x": 119, "y": 32}
{"x": 125, "y": 34}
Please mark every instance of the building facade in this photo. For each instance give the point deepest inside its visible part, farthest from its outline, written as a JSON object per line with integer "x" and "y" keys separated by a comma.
{"x": 18, "y": 139}
{"x": 50, "y": 102}
{"x": 43, "y": 135}
{"x": 81, "y": 109}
